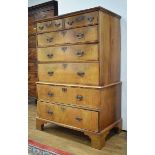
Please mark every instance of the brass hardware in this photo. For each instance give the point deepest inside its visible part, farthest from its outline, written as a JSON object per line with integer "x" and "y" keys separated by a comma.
{"x": 49, "y": 39}
{"x": 80, "y": 18}
{"x": 79, "y": 97}
{"x": 90, "y": 18}
{"x": 64, "y": 48}
{"x": 64, "y": 89}
{"x": 57, "y": 24}
{"x": 50, "y": 94}
{"x": 80, "y": 35}
{"x": 50, "y": 73}
{"x": 50, "y": 112}
{"x": 70, "y": 22}
{"x": 81, "y": 74}
{"x": 78, "y": 119}
{"x": 80, "y": 53}
{"x": 41, "y": 27}
{"x": 49, "y": 55}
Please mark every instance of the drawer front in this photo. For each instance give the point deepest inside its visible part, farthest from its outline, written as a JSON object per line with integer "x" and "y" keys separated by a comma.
{"x": 76, "y": 73}
{"x": 50, "y": 26}
{"x": 79, "y": 35}
{"x": 81, "y": 20}
{"x": 69, "y": 95}
{"x": 68, "y": 53}
{"x": 32, "y": 41}
{"x": 75, "y": 117}
{"x": 32, "y": 55}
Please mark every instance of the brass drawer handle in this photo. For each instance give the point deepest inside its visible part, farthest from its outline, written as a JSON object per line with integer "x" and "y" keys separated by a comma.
{"x": 49, "y": 55}
{"x": 50, "y": 112}
{"x": 79, "y": 97}
{"x": 80, "y": 18}
{"x": 80, "y": 35}
{"x": 49, "y": 39}
{"x": 78, "y": 119}
{"x": 50, "y": 73}
{"x": 50, "y": 94}
{"x": 90, "y": 18}
{"x": 70, "y": 22}
{"x": 64, "y": 89}
{"x": 64, "y": 48}
{"x": 57, "y": 24}
{"x": 80, "y": 53}
{"x": 41, "y": 27}
{"x": 81, "y": 74}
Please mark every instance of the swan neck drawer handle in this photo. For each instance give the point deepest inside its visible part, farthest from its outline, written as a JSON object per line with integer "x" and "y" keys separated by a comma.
{"x": 81, "y": 74}
{"x": 79, "y": 97}
{"x": 50, "y": 94}
{"x": 50, "y": 73}
{"x": 50, "y": 112}
{"x": 49, "y": 55}
{"x": 78, "y": 119}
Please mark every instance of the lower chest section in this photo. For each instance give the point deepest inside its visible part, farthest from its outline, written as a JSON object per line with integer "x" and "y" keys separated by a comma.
{"x": 74, "y": 117}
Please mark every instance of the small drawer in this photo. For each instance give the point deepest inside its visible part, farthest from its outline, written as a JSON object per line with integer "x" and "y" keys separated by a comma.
{"x": 68, "y": 53}
{"x": 80, "y": 118}
{"x": 78, "y": 35}
{"x": 81, "y": 20}
{"x": 69, "y": 95}
{"x": 74, "y": 73}
{"x": 49, "y": 26}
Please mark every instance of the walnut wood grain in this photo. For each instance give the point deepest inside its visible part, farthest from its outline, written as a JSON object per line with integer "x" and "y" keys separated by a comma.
{"x": 68, "y": 53}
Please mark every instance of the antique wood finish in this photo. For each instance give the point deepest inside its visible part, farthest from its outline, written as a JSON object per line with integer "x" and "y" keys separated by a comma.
{"x": 79, "y": 73}
{"x": 78, "y": 35}
{"x": 69, "y": 95}
{"x": 81, "y": 20}
{"x": 35, "y": 13}
{"x": 77, "y": 117}
{"x": 68, "y": 53}
{"x": 109, "y": 27}
{"x": 32, "y": 55}
{"x": 50, "y": 26}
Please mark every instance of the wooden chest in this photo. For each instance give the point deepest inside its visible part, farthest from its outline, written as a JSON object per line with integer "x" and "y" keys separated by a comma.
{"x": 79, "y": 72}
{"x": 35, "y": 13}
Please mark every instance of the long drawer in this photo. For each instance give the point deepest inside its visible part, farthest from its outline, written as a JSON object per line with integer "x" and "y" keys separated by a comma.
{"x": 68, "y": 53}
{"x": 78, "y": 35}
{"x": 76, "y": 73}
{"x": 69, "y": 95}
{"x": 80, "y": 118}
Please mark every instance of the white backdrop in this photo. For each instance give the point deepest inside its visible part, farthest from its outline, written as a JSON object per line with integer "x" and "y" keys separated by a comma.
{"x": 117, "y": 6}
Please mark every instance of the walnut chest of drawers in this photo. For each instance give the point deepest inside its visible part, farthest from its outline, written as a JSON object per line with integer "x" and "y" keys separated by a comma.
{"x": 35, "y": 13}
{"x": 79, "y": 73}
